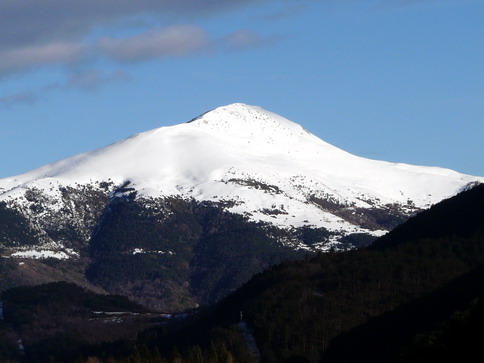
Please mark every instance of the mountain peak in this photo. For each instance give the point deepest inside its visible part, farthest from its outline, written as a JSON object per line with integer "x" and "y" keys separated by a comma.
{"x": 233, "y": 109}
{"x": 245, "y": 120}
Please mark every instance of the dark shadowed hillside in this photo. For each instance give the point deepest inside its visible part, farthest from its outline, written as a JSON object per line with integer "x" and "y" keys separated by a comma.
{"x": 460, "y": 216}
{"x": 445, "y": 323}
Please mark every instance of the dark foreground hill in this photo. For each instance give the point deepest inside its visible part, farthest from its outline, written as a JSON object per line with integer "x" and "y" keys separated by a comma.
{"x": 444, "y": 324}
{"x": 389, "y": 302}
{"x": 57, "y": 319}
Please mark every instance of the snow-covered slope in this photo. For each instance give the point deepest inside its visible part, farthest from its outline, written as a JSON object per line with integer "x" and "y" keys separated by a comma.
{"x": 261, "y": 164}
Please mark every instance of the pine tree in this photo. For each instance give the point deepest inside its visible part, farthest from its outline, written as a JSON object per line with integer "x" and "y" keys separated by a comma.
{"x": 195, "y": 354}
{"x": 212, "y": 354}
{"x": 175, "y": 356}
{"x": 156, "y": 356}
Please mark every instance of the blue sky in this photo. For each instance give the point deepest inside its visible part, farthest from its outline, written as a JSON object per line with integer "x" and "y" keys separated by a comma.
{"x": 396, "y": 80}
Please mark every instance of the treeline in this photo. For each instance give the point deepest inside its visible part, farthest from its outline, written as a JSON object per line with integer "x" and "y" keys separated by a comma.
{"x": 215, "y": 345}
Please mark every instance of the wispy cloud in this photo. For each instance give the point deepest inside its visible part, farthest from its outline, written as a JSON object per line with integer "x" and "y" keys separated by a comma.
{"x": 385, "y": 4}
{"x": 32, "y": 56}
{"x": 27, "y": 22}
{"x": 55, "y": 32}
{"x": 245, "y": 38}
{"x": 156, "y": 43}
{"x": 16, "y": 98}
{"x": 286, "y": 12}
{"x": 172, "y": 41}
{"x": 86, "y": 80}
{"x": 94, "y": 78}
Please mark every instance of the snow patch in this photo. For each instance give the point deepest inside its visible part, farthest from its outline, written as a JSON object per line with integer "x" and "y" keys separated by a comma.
{"x": 136, "y": 251}
{"x": 38, "y": 254}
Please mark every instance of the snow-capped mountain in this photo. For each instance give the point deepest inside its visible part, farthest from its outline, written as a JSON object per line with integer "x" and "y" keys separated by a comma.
{"x": 258, "y": 164}
{"x": 182, "y": 215}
